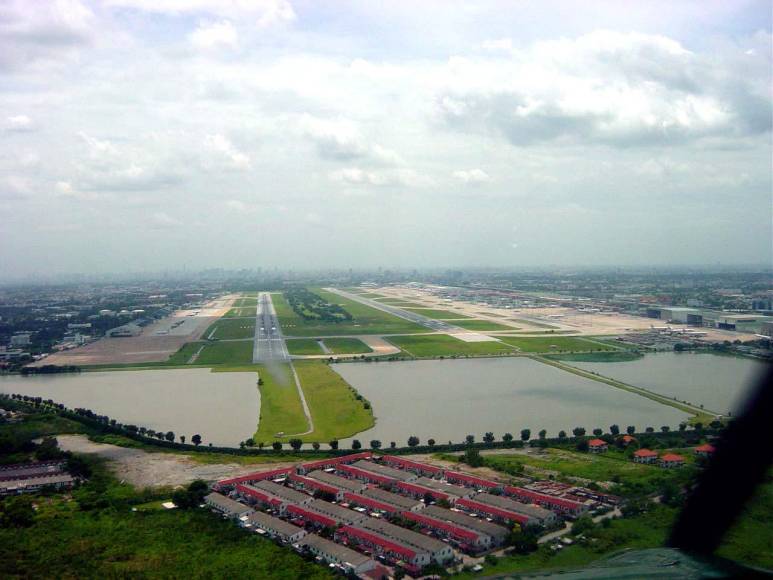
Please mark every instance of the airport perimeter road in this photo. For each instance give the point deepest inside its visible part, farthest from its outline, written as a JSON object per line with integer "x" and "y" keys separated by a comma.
{"x": 438, "y": 325}
{"x": 269, "y": 344}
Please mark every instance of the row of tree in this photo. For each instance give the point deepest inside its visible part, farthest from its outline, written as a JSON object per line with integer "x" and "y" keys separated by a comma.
{"x": 310, "y": 306}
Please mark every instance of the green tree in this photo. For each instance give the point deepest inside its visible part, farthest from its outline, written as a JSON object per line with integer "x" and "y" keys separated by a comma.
{"x": 631, "y": 429}
{"x": 276, "y": 445}
{"x": 562, "y": 434}
{"x": 665, "y": 429}
{"x": 182, "y": 439}
{"x": 16, "y": 512}
{"x": 507, "y": 437}
{"x": 470, "y": 439}
{"x": 472, "y": 457}
{"x": 375, "y": 444}
{"x": 296, "y": 444}
{"x": 542, "y": 434}
{"x": 525, "y": 434}
{"x": 249, "y": 442}
{"x": 598, "y": 431}
{"x": 614, "y": 429}
{"x": 169, "y": 436}
{"x": 413, "y": 441}
{"x": 578, "y": 431}
{"x": 488, "y": 437}
{"x": 650, "y": 430}
{"x": 315, "y": 446}
{"x": 431, "y": 442}
{"x": 333, "y": 444}
{"x": 196, "y": 439}
{"x": 356, "y": 444}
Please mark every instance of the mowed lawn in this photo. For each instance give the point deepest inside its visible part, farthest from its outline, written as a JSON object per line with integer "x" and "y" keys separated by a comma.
{"x": 445, "y": 345}
{"x": 280, "y": 406}
{"x": 304, "y": 346}
{"x": 333, "y": 404}
{"x": 241, "y": 312}
{"x": 482, "y": 325}
{"x": 555, "y": 344}
{"x": 183, "y": 355}
{"x": 437, "y": 314}
{"x": 347, "y": 346}
{"x": 241, "y": 302}
{"x": 367, "y": 320}
{"x": 226, "y": 353}
{"x": 226, "y": 328}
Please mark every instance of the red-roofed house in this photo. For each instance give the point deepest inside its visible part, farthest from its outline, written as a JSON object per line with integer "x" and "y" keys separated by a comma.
{"x": 670, "y": 460}
{"x": 645, "y": 456}
{"x": 253, "y": 477}
{"x": 557, "y": 504}
{"x": 334, "y": 461}
{"x": 470, "y": 480}
{"x": 494, "y": 512}
{"x": 415, "y": 466}
{"x": 705, "y": 450}
{"x": 597, "y": 446}
{"x": 628, "y": 439}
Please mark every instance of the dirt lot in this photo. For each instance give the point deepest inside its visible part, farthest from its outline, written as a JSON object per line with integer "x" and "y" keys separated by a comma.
{"x": 147, "y": 347}
{"x": 143, "y": 469}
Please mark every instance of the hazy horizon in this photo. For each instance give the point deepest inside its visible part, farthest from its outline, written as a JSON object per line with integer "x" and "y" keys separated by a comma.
{"x": 151, "y": 136}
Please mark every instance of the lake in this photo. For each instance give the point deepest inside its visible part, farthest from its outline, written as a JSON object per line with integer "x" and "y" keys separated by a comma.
{"x": 449, "y": 399}
{"x": 222, "y": 407}
{"x": 716, "y": 381}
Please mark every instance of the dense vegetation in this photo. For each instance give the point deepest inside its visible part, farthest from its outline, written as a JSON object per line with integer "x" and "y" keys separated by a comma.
{"x": 310, "y": 306}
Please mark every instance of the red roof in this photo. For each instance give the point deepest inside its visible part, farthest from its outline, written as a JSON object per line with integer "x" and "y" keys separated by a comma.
{"x": 672, "y": 457}
{"x": 309, "y": 483}
{"x": 455, "y": 531}
{"x": 420, "y": 489}
{"x": 628, "y": 438}
{"x": 334, "y": 461}
{"x": 368, "y": 475}
{"x": 470, "y": 479}
{"x": 311, "y": 515}
{"x": 706, "y": 448}
{"x": 379, "y": 540}
{"x": 356, "y": 498}
{"x": 494, "y": 511}
{"x": 645, "y": 453}
{"x": 408, "y": 464}
{"x": 543, "y": 498}
{"x": 259, "y": 476}
{"x": 266, "y": 498}
{"x": 597, "y": 443}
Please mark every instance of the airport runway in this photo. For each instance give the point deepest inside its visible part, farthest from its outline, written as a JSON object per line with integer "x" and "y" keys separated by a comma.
{"x": 437, "y": 325}
{"x": 269, "y": 344}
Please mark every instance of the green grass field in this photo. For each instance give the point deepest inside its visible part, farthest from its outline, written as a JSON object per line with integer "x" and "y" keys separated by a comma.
{"x": 613, "y": 465}
{"x": 334, "y": 408}
{"x": 606, "y": 356}
{"x": 445, "y": 345}
{"x": 248, "y": 301}
{"x": 226, "y": 353}
{"x": 437, "y": 314}
{"x": 482, "y": 325}
{"x": 367, "y": 320}
{"x": 555, "y": 344}
{"x": 240, "y": 312}
{"x": 231, "y": 328}
{"x": 304, "y": 346}
{"x": 347, "y": 346}
{"x": 183, "y": 355}
{"x": 280, "y": 406}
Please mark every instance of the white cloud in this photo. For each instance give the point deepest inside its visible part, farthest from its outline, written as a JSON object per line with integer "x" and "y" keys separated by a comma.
{"x": 264, "y": 12}
{"x": 214, "y": 34}
{"x": 163, "y": 219}
{"x": 226, "y": 150}
{"x": 499, "y": 44}
{"x": 363, "y": 177}
{"x": 471, "y": 176}
{"x": 19, "y": 123}
{"x": 65, "y": 189}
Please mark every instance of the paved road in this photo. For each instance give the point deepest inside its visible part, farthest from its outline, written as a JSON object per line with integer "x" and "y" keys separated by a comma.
{"x": 438, "y": 325}
{"x": 270, "y": 348}
{"x": 269, "y": 344}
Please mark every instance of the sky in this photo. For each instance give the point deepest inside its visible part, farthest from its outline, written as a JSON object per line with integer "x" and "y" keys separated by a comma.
{"x": 145, "y": 135}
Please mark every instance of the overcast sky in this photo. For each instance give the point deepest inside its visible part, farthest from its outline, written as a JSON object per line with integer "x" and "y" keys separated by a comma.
{"x": 154, "y": 134}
